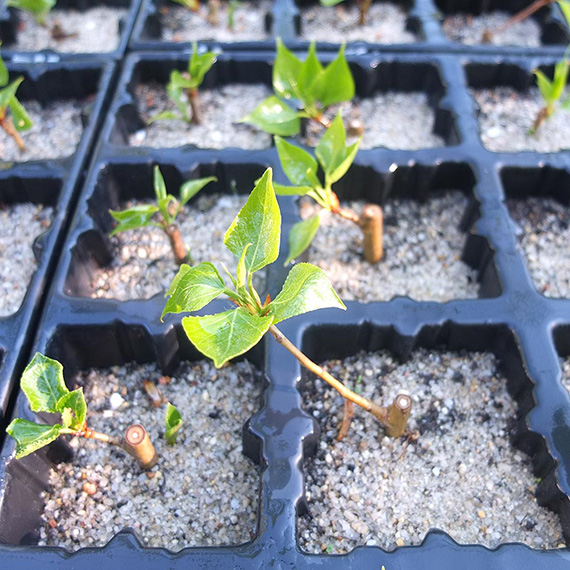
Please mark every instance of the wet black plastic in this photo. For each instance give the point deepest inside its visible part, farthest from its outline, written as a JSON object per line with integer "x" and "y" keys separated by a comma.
{"x": 424, "y": 21}
{"x": 526, "y": 331}
{"x": 9, "y": 32}
{"x": 52, "y": 183}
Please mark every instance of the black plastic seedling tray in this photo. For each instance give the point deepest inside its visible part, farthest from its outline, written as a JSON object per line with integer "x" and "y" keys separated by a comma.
{"x": 9, "y": 30}
{"x": 51, "y": 183}
{"x": 424, "y": 21}
{"x": 525, "y": 330}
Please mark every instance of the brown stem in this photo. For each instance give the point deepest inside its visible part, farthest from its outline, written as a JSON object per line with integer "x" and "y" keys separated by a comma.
{"x": 9, "y": 128}
{"x": 381, "y": 413}
{"x": 322, "y": 120}
{"x": 518, "y": 17}
{"x": 398, "y": 415}
{"x": 195, "y": 106}
{"x": 371, "y": 222}
{"x": 138, "y": 444}
{"x": 177, "y": 243}
{"x": 213, "y": 12}
{"x": 88, "y": 433}
{"x": 364, "y": 6}
{"x": 346, "y": 420}
{"x": 542, "y": 115}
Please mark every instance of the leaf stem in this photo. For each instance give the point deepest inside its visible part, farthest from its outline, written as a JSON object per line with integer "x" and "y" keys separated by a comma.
{"x": 194, "y": 101}
{"x": 390, "y": 419}
{"x": 9, "y": 128}
{"x": 177, "y": 244}
{"x": 518, "y": 17}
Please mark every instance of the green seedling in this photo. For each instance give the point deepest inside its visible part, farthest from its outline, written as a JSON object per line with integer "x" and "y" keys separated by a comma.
{"x": 363, "y": 7}
{"x": 43, "y": 384}
{"x": 163, "y": 214}
{"x": 551, "y": 92}
{"x": 13, "y": 116}
{"x": 173, "y": 423}
{"x": 253, "y": 237}
{"x": 334, "y": 159}
{"x": 38, "y": 8}
{"x": 311, "y": 86}
{"x": 183, "y": 89}
{"x": 524, "y": 14}
{"x": 232, "y": 6}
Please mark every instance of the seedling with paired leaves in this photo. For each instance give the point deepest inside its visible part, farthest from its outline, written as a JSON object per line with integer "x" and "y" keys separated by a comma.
{"x": 43, "y": 384}
{"x": 163, "y": 214}
{"x": 253, "y": 237}
{"x": 307, "y": 84}
{"x": 363, "y": 7}
{"x": 173, "y": 423}
{"x": 552, "y": 91}
{"x": 38, "y": 8}
{"x": 334, "y": 159}
{"x": 13, "y": 116}
{"x": 527, "y": 13}
{"x": 183, "y": 89}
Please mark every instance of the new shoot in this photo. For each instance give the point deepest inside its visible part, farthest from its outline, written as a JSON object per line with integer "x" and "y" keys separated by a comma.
{"x": 309, "y": 86}
{"x": 253, "y": 237}
{"x": 13, "y": 116}
{"x": 552, "y": 92}
{"x": 43, "y": 384}
{"x": 163, "y": 213}
{"x": 182, "y": 89}
{"x": 334, "y": 159}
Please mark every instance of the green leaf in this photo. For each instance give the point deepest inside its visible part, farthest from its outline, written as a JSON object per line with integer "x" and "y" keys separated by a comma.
{"x": 282, "y": 190}
{"x": 311, "y": 70}
{"x": 560, "y": 77}
{"x": 132, "y": 218}
{"x": 306, "y": 288}
{"x": 335, "y": 84}
{"x": 159, "y": 185}
{"x": 175, "y": 90}
{"x": 301, "y": 236}
{"x": 341, "y": 169}
{"x": 30, "y": 436}
{"x": 565, "y": 7}
{"x": 43, "y": 384}
{"x": 173, "y": 423}
{"x": 331, "y": 150}
{"x": 165, "y": 116}
{"x": 241, "y": 270}
{"x": 544, "y": 85}
{"x": 299, "y": 166}
{"x": 67, "y": 417}
{"x": 74, "y": 401}
{"x": 286, "y": 72}
{"x": 190, "y": 188}
{"x": 275, "y": 117}
{"x": 328, "y": 2}
{"x": 8, "y": 93}
{"x": 4, "y": 76}
{"x": 565, "y": 104}
{"x": 223, "y": 336}
{"x": 39, "y": 8}
{"x": 193, "y": 288}
{"x": 22, "y": 121}
{"x": 199, "y": 65}
{"x": 258, "y": 223}
{"x": 163, "y": 205}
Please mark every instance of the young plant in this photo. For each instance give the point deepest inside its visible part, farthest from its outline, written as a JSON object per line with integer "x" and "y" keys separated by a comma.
{"x": 253, "y": 237}
{"x": 334, "y": 159}
{"x": 173, "y": 423}
{"x": 524, "y": 14}
{"x": 312, "y": 86}
{"x": 38, "y": 8}
{"x": 13, "y": 116}
{"x": 163, "y": 214}
{"x": 43, "y": 384}
{"x": 183, "y": 89}
{"x": 363, "y": 7}
{"x": 552, "y": 91}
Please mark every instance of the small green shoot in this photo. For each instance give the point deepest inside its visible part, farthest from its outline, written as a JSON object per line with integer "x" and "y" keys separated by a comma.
{"x": 363, "y": 7}
{"x": 163, "y": 213}
{"x": 183, "y": 89}
{"x": 173, "y": 423}
{"x": 308, "y": 84}
{"x": 17, "y": 119}
{"x": 43, "y": 384}
{"x": 552, "y": 91}
{"x": 232, "y": 6}
{"x": 254, "y": 237}
{"x": 193, "y": 5}
{"x": 334, "y": 158}
{"x": 38, "y": 8}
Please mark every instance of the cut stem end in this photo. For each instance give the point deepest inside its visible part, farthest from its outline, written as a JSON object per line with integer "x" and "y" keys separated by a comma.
{"x": 138, "y": 444}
